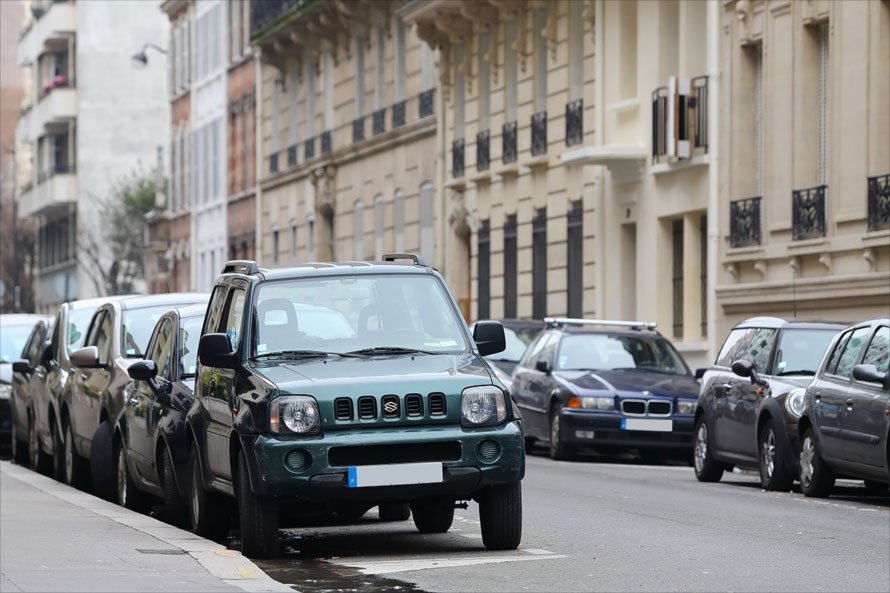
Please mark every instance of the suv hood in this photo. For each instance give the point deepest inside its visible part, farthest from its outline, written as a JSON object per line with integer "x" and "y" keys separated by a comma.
{"x": 376, "y": 375}
{"x": 595, "y": 382}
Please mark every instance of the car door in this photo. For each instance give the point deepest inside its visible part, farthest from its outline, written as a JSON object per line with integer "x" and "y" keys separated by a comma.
{"x": 143, "y": 405}
{"x": 38, "y": 390}
{"x": 863, "y": 426}
{"x": 21, "y": 382}
{"x": 524, "y": 381}
{"x": 88, "y": 383}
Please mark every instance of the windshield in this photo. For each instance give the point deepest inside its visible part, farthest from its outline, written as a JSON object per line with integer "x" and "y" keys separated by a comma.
{"x": 517, "y": 343}
{"x": 801, "y": 350}
{"x": 354, "y": 314}
{"x": 78, "y": 322}
{"x": 138, "y": 325}
{"x": 190, "y": 333}
{"x": 603, "y": 352}
{"x": 12, "y": 341}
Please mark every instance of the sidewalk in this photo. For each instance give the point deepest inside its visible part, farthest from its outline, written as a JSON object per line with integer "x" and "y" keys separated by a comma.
{"x": 56, "y": 538}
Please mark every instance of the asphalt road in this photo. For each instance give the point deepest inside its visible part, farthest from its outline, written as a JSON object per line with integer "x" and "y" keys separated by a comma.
{"x": 616, "y": 526}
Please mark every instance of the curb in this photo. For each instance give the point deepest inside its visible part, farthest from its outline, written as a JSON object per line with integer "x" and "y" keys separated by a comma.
{"x": 228, "y": 565}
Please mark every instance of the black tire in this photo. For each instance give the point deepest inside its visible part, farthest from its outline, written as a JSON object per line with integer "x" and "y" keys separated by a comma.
{"x": 37, "y": 460}
{"x": 433, "y": 515}
{"x": 500, "y": 516}
{"x": 58, "y": 454}
{"x": 774, "y": 471}
{"x": 530, "y": 444}
{"x": 103, "y": 462}
{"x": 394, "y": 511}
{"x": 77, "y": 472}
{"x": 876, "y": 488}
{"x": 816, "y": 478}
{"x": 707, "y": 469}
{"x": 208, "y": 511}
{"x": 127, "y": 494}
{"x": 259, "y": 518}
{"x": 559, "y": 449}
{"x": 174, "y": 509}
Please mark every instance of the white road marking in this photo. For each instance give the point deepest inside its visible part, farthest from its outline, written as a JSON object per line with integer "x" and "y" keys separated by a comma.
{"x": 391, "y": 566}
{"x": 471, "y": 535}
{"x": 538, "y": 552}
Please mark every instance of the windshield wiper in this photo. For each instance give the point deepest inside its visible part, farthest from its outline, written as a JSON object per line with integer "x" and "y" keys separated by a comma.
{"x": 298, "y": 354}
{"x": 388, "y": 350}
{"x": 800, "y": 372}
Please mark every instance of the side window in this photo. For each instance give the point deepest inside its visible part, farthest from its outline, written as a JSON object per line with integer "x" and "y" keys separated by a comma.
{"x": 543, "y": 349}
{"x": 878, "y": 352}
{"x": 528, "y": 359}
{"x": 831, "y": 366}
{"x": 215, "y": 309}
{"x": 162, "y": 350}
{"x": 57, "y": 335}
{"x": 754, "y": 344}
{"x": 725, "y": 358}
{"x": 851, "y": 352}
{"x": 233, "y": 316}
{"x": 93, "y": 329}
{"x": 103, "y": 339}
{"x": 32, "y": 348}
{"x": 549, "y": 349}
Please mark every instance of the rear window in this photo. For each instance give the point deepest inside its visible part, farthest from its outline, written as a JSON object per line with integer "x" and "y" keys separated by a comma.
{"x": 78, "y": 324}
{"x": 189, "y": 334}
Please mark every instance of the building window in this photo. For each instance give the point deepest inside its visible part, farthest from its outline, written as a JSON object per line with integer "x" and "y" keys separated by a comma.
{"x": 310, "y": 237}
{"x": 399, "y": 220}
{"x": 756, "y": 56}
{"x": 539, "y": 264}
{"x": 328, "y": 82}
{"x": 575, "y": 264}
{"x": 540, "y": 19}
{"x": 359, "y": 78}
{"x": 274, "y": 245}
{"x": 293, "y": 130}
{"x": 378, "y": 228}
{"x": 510, "y": 268}
{"x": 399, "y": 87}
{"x": 427, "y": 221}
{"x": 484, "y": 82}
{"x": 293, "y": 240}
{"x": 510, "y": 73}
{"x": 276, "y": 113}
{"x": 427, "y": 67}
{"x": 459, "y": 100}
{"x": 483, "y": 257}
{"x": 358, "y": 227}
{"x": 677, "y": 276}
{"x": 379, "y": 68}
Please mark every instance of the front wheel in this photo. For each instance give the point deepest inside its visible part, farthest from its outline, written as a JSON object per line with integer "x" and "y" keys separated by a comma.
{"x": 102, "y": 461}
{"x": 707, "y": 469}
{"x": 774, "y": 472}
{"x": 433, "y": 515}
{"x": 816, "y": 478}
{"x": 559, "y": 449}
{"x": 208, "y": 512}
{"x": 76, "y": 470}
{"x": 500, "y": 516}
{"x": 259, "y": 518}
{"x": 128, "y": 496}
{"x": 173, "y": 506}
{"x": 38, "y": 460}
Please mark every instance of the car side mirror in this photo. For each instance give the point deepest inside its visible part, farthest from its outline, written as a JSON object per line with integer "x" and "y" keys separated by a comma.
{"x": 489, "y": 337}
{"x": 143, "y": 370}
{"x": 22, "y": 366}
{"x": 215, "y": 350}
{"x": 86, "y": 358}
{"x": 699, "y": 373}
{"x": 745, "y": 368}
{"x": 543, "y": 366}
{"x": 861, "y": 372}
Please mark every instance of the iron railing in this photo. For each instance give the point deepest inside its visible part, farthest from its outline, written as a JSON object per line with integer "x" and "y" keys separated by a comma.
{"x": 879, "y": 202}
{"x": 808, "y": 212}
{"x": 326, "y": 142}
{"x": 483, "y": 150}
{"x": 744, "y": 222}
{"x": 457, "y": 158}
{"x": 264, "y": 12}
{"x": 398, "y": 114}
{"x": 690, "y": 114}
{"x": 358, "y": 129}
{"x": 273, "y": 163}
{"x": 574, "y": 122}
{"x": 292, "y": 155}
{"x": 56, "y": 169}
{"x": 426, "y": 103}
{"x": 539, "y": 133}
{"x": 378, "y": 124}
{"x": 508, "y": 137}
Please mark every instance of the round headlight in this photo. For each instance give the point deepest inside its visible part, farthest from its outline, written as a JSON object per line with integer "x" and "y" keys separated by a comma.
{"x": 298, "y": 414}
{"x": 794, "y": 402}
{"x": 482, "y": 405}
{"x": 598, "y": 403}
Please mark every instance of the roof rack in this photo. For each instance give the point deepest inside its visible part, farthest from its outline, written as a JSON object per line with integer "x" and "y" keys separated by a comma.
{"x": 637, "y": 325}
{"x": 242, "y": 266}
{"x": 418, "y": 261}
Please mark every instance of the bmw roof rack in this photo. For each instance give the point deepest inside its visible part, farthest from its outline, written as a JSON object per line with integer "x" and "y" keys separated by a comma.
{"x": 637, "y": 325}
{"x": 418, "y": 261}
{"x": 241, "y": 266}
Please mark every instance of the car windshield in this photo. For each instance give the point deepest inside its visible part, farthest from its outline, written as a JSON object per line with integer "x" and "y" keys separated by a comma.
{"x": 801, "y": 350}
{"x": 78, "y": 322}
{"x": 518, "y": 340}
{"x": 365, "y": 315}
{"x": 604, "y": 352}
{"x": 138, "y": 325}
{"x": 189, "y": 333}
{"x": 12, "y": 341}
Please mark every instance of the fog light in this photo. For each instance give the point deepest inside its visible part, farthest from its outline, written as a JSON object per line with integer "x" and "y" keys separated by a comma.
{"x": 297, "y": 460}
{"x": 489, "y": 450}
{"x": 584, "y": 434}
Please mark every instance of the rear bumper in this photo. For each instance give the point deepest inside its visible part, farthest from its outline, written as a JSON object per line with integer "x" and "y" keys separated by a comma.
{"x": 576, "y": 426}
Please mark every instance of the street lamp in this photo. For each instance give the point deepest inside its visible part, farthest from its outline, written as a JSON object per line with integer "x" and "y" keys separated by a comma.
{"x": 140, "y": 59}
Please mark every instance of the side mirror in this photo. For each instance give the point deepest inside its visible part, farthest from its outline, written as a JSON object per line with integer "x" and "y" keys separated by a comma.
{"x": 143, "y": 370}
{"x": 861, "y": 372}
{"x": 489, "y": 337}
{"x": 543, "y": 366}
{"x": 745, "y": 368}
{"x": 215, "y": 350}
{"x": 22, "y": 366}
{"x": 86, "y": 358}
{"x": 699, "y": 373}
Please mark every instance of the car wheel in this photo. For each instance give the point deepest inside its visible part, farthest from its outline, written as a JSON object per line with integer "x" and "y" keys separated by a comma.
{"x": 259, "y": 518}
{"x": 559, "y": 449}
{"x": 37, "y": 459}
{"x": 128, "y": 495}
{"x": 208, "y": 515}
{"x": 102, "y": 462}
{"x": 500, "y": 516}
{"x": 706, "y": 468}
{"x": 774, "y": 473}
{"x": 433, "y": 515}
{"x": 58, "y": 454}
{"x": 76, "y": 470}
{"x": 876, "y": 488}
{"x": 173, "y": 506}
{"x": 816, "y": 478}
{"x": 394, "y": 511}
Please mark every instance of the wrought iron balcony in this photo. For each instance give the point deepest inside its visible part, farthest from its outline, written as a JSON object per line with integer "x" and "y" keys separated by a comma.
{"x": 398, "y": 114}
{"x": 273, "y": 163}
{"x": 457, "y": 158}
{"x": 264, "y": 12}
{"x": 744, "y": 222}
{"x": 508, "y": 137}
{"x": 426, "y": 102}
{"x": 358, "y": 129}
{"x": 292, "y": 155}
{"x": 574, "y": 122}
{"x": 309, "y": 148}
{"x": 483, "y": 152}
{"x": 326, "y": 142}
{"x": 539, "y": 133}
{"x": 808, "y": 212}
{"x": 378, "y": 124}
{"x": 879, "y": 202}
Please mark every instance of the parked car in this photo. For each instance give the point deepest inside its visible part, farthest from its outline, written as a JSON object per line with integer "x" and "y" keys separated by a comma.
{"x": 150, "y": 445}
{"x": 24, "y": 382}
{"x": 117, "y": 336}
{"x": 14, "y": 332}
{"x": 606, "y": 385}
{"x": 752, "y": 397}
{"x": 395, "y": 406}
{"x": 519, "y": 333}
{"x": 845, "y": 426}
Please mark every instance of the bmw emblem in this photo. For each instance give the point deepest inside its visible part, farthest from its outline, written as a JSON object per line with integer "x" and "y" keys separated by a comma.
{"x": 647, "y": 393}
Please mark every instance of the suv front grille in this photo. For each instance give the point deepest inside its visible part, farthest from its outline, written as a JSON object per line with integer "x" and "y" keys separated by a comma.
{"x": 437, "y": 404}
{"x": 343, "y": 408}
{"x": 367, "y": 408}
{"x": 401, "y": 453}
{"x": 413, "y": 405}
{"x": 390, "y": 406}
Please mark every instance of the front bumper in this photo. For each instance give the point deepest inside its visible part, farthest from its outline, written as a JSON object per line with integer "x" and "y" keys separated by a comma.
{"x": 463, "y": 474}
{"x": 576, "y": 425}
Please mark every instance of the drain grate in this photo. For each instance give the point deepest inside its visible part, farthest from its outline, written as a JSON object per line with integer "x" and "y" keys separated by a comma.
{"x": 164, "y": 552}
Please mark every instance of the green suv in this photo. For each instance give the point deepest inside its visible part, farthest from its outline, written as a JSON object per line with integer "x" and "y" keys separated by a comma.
{"x": 344, "y": 386}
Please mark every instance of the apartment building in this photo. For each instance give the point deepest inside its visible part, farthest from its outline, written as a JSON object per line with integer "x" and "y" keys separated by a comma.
{"x": 88, "y": 119}
{"x": 805, "y": 187}
{"x": 347, "y": 156}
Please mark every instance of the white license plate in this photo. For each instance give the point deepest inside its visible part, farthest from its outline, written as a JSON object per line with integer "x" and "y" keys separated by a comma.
{"x": 650, "y": 424}
{"x": 362, "y": 476}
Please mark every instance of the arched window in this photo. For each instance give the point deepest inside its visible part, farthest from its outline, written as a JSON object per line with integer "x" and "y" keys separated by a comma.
{"x": 427, "y": 240}
{"x": 378, "y": 227}
{"x": 358, "y": 227}
{"x": 399, "y": 220}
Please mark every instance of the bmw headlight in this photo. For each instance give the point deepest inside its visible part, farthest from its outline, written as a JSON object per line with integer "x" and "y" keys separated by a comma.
{"x": 686, "y": 406}
{"x": 481, "y": 406}
{"x": 597, "y": 403}
{"x": 794, "y": 402}
{"x": 5, "y": 390}
{"x": 296, "y": 414}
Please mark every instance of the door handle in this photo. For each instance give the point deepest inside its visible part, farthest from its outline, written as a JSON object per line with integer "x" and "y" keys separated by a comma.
{"x": 849, "y": 405}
